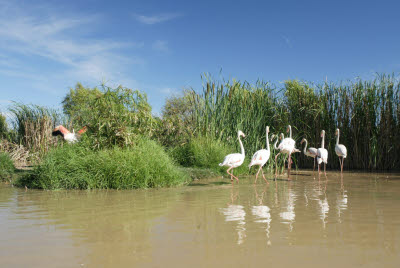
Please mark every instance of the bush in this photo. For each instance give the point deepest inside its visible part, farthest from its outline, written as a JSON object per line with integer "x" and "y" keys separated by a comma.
{"x": 204, "y": 152}
{"x": 6, "y": 166}
{"x": 114, "y": 116}
{"x": 74, "y": 167}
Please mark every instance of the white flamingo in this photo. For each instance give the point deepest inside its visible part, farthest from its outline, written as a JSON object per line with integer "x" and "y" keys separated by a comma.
{"x": 67, "y": 135}
{"x": 340, "y": 150}
{"x": 322, "y": 153}
{"x": 310, "y": 152}
{"x": 278, "y": 137}
{"x": 234, "y": 160}
{"x": 287, "y": 146}
{"x": 261, "y": 157}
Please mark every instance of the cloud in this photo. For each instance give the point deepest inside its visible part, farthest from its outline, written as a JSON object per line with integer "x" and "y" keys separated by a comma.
{"x": 169, "y": 91}
{"x": 156, "y": 18}
{"x": 160, "y": 45}
{"x": 27, "y": 40}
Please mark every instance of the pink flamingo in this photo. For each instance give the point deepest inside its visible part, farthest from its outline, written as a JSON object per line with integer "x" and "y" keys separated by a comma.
{"x": 311, "y": 151}
{"x": 260, "y": 158}
{"x": 234, "y": 160}
{"x": 340, "y": 150}
{"x": 67, "y": 135}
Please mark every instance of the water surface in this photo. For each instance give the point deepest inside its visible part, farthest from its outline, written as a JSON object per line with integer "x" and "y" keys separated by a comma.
{"x": 343, "y": 222}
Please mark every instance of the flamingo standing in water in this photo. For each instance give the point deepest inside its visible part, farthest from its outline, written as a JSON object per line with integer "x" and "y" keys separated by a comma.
{"x": 287, "y": 146}
{"x": 322, "y": 153}
{"x": 261, "y": 157}
{"x": 311, "y": 152}
{"x": 340, "y": 150}
{"x": 67, "y": 135}
{"x": 234, "y": 160}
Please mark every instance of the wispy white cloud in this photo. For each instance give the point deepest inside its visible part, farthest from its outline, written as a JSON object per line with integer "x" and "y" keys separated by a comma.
{"x": 169, "y": 91}
{"x": 57, "y": 39}
{"x": 160, "y": 45}
{"x": 154, "y": 19}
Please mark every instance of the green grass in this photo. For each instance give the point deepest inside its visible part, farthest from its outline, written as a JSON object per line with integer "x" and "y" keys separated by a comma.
{"x": 145, "y": 165}
{"x": 6, "y": 166}
{"x": 206, "y": 153}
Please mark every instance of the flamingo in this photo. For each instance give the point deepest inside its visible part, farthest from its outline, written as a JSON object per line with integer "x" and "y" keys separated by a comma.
{"x": 67, "y": 135}
{"x": 322, "y": 153}
{"x": 261, "y": 157}
{"x": 278, "y": 137}
{"x": 287, "y": 146}
{"x": 340, "y": 150}
{"x": 311, "y": 152}
{"x": 234, "y": 160}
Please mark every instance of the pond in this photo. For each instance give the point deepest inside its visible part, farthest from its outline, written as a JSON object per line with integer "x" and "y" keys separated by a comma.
{"x": 343, "y": 221}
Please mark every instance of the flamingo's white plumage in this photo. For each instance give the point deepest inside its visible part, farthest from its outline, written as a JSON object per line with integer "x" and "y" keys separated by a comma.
{"x": 310, "y": 152}
{"x": 234, "y": 160}
{"x": 340, "y": 150}
{"x": 322, "y": 153}
{"x": 261, "y": 157}
{"x": 67, "y": 135}
{"x": 287, "y": 146}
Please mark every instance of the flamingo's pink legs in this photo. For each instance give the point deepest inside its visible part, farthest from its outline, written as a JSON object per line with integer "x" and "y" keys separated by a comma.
{"x": 276, "y": 164}
{"x": 314, "y": 164}
{"x": 232, "y": 175}
{"x": 262, "y": 172}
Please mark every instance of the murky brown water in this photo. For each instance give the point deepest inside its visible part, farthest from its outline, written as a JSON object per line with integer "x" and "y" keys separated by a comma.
{"x": 302, "y": 223}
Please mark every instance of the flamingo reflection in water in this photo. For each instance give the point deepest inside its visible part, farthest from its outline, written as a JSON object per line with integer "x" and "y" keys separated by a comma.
{"x": 261, "y": 213}
{"x": 342, "y": 199}
{"x": 236, "y": 213}
{"x": 289, "y": 215}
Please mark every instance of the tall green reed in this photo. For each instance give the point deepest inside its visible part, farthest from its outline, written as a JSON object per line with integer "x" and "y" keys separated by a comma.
{"x": 367, "y": 113}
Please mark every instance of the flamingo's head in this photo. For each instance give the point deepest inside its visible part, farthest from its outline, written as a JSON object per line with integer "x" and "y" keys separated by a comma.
{"x": 303, "y": 140}
{"x": 281, "y": 136}
{"x": 322, "y": 133}
{"x": 240, "y": 133}
{"x": 272, "y": 136}
{"x": 288, "y": 128}
{"x": 337, "y": 132}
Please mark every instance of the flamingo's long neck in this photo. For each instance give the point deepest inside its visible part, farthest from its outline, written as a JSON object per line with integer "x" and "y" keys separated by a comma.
{"x": 241, "y": 146}
{"x": 337, "y": 139}
{"x": 290, "y": 131}
{"x": 305, "y": 147}
{"x": 323, "y": 140}
{"x": 276, "y": 142}
{"x": 63, "y": 130}
{"x": 267, "y": 141}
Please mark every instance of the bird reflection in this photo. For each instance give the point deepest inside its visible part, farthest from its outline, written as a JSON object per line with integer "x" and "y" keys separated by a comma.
{"x": 261, "y": 212}
{"x": 324, "y": 209}
{"x": 342, "y": 199}
{"x": 236, "y": 213}
{"x": 289, "y": 215}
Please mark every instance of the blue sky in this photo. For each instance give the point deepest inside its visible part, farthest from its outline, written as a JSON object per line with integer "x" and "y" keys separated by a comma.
{"x": 160, "y": 47}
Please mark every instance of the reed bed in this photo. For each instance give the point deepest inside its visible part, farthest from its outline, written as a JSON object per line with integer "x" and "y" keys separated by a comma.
{"x": 367, "y": 113}
{"x": 33, "y": 125}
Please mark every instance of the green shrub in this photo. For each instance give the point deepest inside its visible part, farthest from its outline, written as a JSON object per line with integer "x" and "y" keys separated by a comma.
{"x": 6, "y": 166}
{"x": 144, "y": 165}
{"x": 205, "y": 152}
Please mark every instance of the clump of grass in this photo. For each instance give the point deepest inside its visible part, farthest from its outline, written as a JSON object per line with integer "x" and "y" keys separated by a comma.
{"x": 6, "y": 166}
{"x": 144, "y": 165}
{"x": 205, "y": 152}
